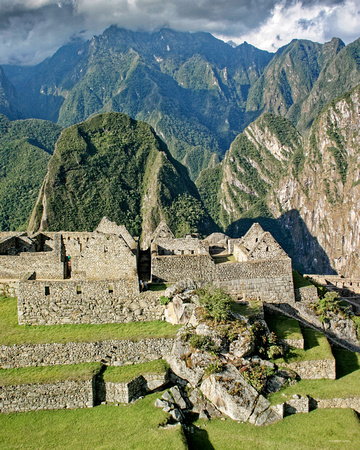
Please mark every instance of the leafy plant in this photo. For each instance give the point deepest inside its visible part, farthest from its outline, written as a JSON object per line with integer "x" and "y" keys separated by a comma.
{"x": 216, "y": 303}
{"x": 214, "y": 367}
{"x": 164, "y": 300}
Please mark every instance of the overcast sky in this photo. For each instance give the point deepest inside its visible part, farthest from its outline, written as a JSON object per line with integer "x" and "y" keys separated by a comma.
{"x": 31, "y": 30}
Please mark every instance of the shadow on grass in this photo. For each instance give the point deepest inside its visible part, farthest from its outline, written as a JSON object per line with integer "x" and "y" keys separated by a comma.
{"x": 346, "y": 362}
{"x": 196, "y": 437}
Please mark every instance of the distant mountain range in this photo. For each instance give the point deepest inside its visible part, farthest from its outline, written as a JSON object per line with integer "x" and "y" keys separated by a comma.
{"x": 268, "y": 137}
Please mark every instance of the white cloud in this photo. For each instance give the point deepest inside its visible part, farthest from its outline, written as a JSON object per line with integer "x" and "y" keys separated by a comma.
{"x": 31, "y": 30}
{"x": 315, "y": 22}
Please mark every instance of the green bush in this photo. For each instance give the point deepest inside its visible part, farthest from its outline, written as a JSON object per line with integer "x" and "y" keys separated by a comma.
{"x": 164, "y": 300}
{"x": 216, "y": 303}
{"x": 204, "y": 343}
{"x": 257, "y": 376}
{"x": 330, "y": 303}
{"x": 214, "y": 367}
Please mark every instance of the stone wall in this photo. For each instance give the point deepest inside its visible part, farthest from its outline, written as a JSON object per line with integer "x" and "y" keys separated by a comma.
{"x": 313, "y": 370}
{"x": 175, "y": 268}
{"x": 112, "y": 352}
{"x": 125, "y": 392}
{"x": 35, "y": 397}
{"x": 9, "y": 288}
{"x": 105, "y": 256}
{"x": 47, "y": 265}
{"x": 269, "y": 280}
{"x": 184, "y": 246}
{"x": 306, "y": 294}
{"x": 69, "y": 301}
{"x": 353, "y": 403}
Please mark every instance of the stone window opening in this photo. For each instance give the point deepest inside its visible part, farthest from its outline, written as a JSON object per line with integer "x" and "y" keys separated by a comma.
{"x": 78, "y": 289}
{"x": 47, "y": 290}
{"x": 267, "y": 249}
{"x": 106, "y": 248}
{"x": 111, "y": 288}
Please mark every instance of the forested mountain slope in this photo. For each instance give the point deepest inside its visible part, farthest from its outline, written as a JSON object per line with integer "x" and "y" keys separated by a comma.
{"x": 25, "y": 149}
{"x": 111, "y": 165}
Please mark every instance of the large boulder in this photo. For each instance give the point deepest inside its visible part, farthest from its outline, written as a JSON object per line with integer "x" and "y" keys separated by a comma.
{"x": 177, "y": 312}
{"x": 230, "y": 393}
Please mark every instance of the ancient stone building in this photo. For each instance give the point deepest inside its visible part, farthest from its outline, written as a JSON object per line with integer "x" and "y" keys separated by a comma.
{"x": 92, "y": 277}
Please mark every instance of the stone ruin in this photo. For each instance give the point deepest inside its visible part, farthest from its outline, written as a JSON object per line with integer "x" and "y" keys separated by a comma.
{"x": 93, "y": 277}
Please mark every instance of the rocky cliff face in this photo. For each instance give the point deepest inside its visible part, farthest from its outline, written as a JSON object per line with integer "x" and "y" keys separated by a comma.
{"x": 306, "y": 191}
{"x": 326, "y": 193}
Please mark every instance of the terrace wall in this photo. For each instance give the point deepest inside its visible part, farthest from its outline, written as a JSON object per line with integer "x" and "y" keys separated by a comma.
{"x": 35, "y": 397}
{"x": 95, "y": 301}
{"x": 111, "y": 352}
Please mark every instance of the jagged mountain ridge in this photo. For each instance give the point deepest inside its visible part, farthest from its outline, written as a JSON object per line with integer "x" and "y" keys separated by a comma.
{"x": 111, "y": 165}
{"x": 191, "y": 87}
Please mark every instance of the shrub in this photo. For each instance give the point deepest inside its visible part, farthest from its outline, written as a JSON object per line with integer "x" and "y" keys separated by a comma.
{"x": 257, "y": 375}
{"x": 213, "y": 367}
{"x": 204, "y": 343}
{"x": 216, "y": 303}
{"x": 330, "y": 303}
{"x": 164, "y": 300}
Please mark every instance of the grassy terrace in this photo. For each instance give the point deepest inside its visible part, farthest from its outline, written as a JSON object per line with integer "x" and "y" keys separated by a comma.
{"x": 300, "y": 281}
{"x": 284, "y": 327}
{"x": 321, "y": 429}
{"x": 123, "y": 374}
{"x": 316, "y": 347}
{"x": 346, "y": 385}
{"x": 12, "y": 333}
{"x": 248, "y": 308}
{"x": 49, "y": 374}
{"x": 136, "y": 426}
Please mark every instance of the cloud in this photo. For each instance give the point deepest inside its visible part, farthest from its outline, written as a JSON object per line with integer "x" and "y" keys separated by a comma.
{"x": 306, "y": 20}
{"x": 31, "y": 30}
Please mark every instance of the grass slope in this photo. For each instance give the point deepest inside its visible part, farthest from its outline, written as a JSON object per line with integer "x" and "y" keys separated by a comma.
{"x": 321, "y": 429}
{"x": 346, "y": 385}
{"x": 12, "y": 333}
{"x": 132, "y": 427}
{"x": 48, "y": 374}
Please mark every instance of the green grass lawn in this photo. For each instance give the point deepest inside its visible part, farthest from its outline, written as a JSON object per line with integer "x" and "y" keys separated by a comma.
{"x": 134, "y": 426}
{"x": 284, "y": 327}
{"x": 159, "y": 287}
{"x": 300, "y": 281}
{"x": 11, "y": 333}
{"x": 316, "y": 347}
{"x": 248, "y": 308}
{"x": 123, "y": 374}
{"x": 223, "y": 259}
{"x": 48, "y": 374}
{"x": 346, "y": 385}
{"x": 321, "y": 429}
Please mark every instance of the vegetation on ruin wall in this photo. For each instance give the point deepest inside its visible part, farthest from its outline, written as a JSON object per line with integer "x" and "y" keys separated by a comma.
{"x": 346, "y": 385}
{"x": 124, "y": 374}
{"x": 138, "y": 425}
{"x": 25, "y": 149}
{"x": 48, "y": 374}
{"x": 12, "y": 333}
{"x": 105, "y": 166}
